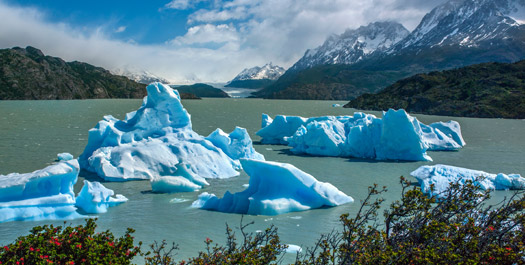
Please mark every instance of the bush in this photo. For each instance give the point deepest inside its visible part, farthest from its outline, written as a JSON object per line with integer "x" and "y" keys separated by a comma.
{"x": 255, "y": 248}
{"x": 459, "y": 228}
{"x": 70, "y": 245}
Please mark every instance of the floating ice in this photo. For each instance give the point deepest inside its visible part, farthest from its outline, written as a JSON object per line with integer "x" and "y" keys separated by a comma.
{"x": 183, "y": 181}
{"x": 236, "y": 145}
{"x": 440, "y": 176}
{"x": 43, "y": 194}
{"x": 64, "y": 156}
{"x": 152, "y": 141}
{"x": 293, "y": 249}
{"x": 95, "y": 198}
{"x": 275, "y": 188}
{"x": 396, "y": 136}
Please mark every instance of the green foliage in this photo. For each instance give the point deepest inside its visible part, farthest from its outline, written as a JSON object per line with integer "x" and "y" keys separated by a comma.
{"x": 329, "y": 82}
{"x": 458, "y": 229}
{"x": 202, "y": 90}
{"x": 490, "y": 90}
{"x": 70, "y": 245}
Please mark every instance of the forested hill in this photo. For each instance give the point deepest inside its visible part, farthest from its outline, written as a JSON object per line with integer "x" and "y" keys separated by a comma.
{"x": 29, "y": 74}
{"x": 488, "y": 90}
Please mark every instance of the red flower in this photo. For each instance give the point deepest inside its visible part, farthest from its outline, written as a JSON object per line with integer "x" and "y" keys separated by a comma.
{"x": 79, "y": 245}
{"x": 6, "y": 248}
{"x": 31, "y": 249}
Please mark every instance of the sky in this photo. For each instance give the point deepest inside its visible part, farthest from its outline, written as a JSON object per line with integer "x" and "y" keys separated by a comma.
{"x": 188, "y": 41}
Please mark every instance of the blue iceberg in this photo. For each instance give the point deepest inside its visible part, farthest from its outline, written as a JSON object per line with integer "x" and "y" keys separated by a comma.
{"x": 395, "y": 136}
{"x": 47, "y": 194}
{"x": 440, "y": 177}
{"x": 275, "y": 188}
{"x": 154, "y": 142}
{"x": 95, "y": 198}
{"x": 43, "y": 194}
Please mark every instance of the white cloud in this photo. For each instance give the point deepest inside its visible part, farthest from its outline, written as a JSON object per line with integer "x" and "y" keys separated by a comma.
{"x": 182, "y": 4}
{"x": 208, "y": 33}
{"x": 218, "y": 15}
{"x": 120, "y": 29}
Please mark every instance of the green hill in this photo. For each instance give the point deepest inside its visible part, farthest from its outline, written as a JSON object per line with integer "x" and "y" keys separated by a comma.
{"x": 202, "y": 90}
{"x": 329, "y": 82}
{"x": 29, "y": 74}
{"x": 488, "y": 90}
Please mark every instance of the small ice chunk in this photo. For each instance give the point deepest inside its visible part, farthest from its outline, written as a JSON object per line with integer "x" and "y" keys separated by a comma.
{"x": 95, "y": 198}
{"x": 293, "y": 248}
{"x": 64, "y": 156}
{"x": 183, "y": 180}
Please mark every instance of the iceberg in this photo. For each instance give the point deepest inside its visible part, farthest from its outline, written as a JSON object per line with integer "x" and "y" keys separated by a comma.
{"x": 440, "y": 176}
{"x": 95, "y": 198}
{"x": 43, "y": 194}
{"x": 395, "y": 136}
{"x": 236, "y": 145}
{"x": 183, "y": 181}
{"x": 64, "y": 156}
{"x": 274, "y": 188}
{"x": 157, "y": 140}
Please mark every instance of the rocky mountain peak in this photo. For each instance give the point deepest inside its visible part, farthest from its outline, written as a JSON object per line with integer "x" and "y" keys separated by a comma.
{"x": 353, "y": 45}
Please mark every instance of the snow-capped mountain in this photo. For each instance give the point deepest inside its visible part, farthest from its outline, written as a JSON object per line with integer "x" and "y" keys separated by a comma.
{"x": 467, "y": 23}
{"x": 353, "y": 45}
{"x": 268, "y": 71}
{"x": 140, "y": 76}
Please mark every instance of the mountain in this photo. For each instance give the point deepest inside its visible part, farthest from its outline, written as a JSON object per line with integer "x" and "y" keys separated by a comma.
{"x": 489, "y": 90}
{"x": 202, "y": 90}
{"x": 353, "y": 45}
{"x": 257, "y": 77}
{"x": 29, "y": 74}
{"x": 140, "y": 76}
{"x": 455, "y": 34}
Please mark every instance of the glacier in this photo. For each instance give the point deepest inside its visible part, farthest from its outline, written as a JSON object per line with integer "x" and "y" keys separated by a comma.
{"x": 395, "y": 136}
{"x": 156, "y": 141}
{"x": 43, "y": 194}
{"x": 274, "y": 188}
{"x": 440, "y": 176}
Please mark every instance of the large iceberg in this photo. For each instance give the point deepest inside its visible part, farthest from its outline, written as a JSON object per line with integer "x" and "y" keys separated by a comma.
{"x": 95, "y": 198}
{"x": 43, "y": 194}
{"x": 395, "y": 136}
{"x": 236, "y": 145}
{"x": 157, "y": 141}
{"x": 275, "y": 188}
{"x": 440, "y": 177}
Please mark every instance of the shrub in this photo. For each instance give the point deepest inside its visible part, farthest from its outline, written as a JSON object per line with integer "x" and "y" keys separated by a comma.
{"x": 459, "y": 228}
{"x": 70, "y": 245}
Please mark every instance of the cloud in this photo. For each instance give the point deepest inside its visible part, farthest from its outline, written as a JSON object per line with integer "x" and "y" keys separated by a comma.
{"x": 208, "y": 33}
{"x": 120, "y": 29}
{"x": 221, "y": 39}
{"x": 182, "y": 4}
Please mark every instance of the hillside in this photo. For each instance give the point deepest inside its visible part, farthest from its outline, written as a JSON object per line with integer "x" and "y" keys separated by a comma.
{"x": 202, "y": 90}
{"x": 29, "y": 74}
{"x": 329, "y": 82}
{"x": 488, "y": 90}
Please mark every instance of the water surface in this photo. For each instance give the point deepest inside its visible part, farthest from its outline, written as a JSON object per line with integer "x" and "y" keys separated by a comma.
{"x": 33, "y": 132}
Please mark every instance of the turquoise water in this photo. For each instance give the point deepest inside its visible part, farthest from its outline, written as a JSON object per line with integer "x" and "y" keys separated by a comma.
{"x": 33, "y": 132}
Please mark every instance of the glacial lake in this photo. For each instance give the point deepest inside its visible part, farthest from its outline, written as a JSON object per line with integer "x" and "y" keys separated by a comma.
{"x": 33, "y": 132}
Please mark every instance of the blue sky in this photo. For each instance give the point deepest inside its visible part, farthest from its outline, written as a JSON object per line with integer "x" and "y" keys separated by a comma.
{"x": 189, "y": 41}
